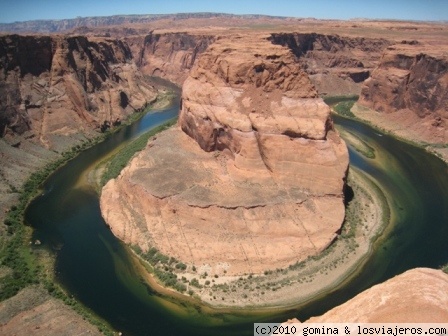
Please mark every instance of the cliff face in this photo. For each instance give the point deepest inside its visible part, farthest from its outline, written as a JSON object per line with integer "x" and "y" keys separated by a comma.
{"x": 251, "y": 103}
{"x": 411, "y": 80}
{"x": 170, "y": 56}
{"x": 61, "y": 86}
{"x": 336, "y": 65}
{"x": 256, "y": 180}
{"x": 405, "y": 82}
{"x": 56, "y": 91}
{"x": 418, "y": 295}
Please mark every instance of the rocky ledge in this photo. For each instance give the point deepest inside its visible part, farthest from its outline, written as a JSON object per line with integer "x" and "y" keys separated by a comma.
{"x": 56, "y": 87}
{"x": 407, "y": 91}
{"x": 253, "y": 176}
{"x": 418, "y": 295}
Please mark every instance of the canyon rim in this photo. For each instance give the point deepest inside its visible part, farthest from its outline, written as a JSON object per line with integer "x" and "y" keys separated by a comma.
{"x": 88, "y": 75}
{"x": 251, "y": 179}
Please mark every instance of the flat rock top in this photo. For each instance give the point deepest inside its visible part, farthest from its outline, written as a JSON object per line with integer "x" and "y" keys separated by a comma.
{"x": 175, "y": 166}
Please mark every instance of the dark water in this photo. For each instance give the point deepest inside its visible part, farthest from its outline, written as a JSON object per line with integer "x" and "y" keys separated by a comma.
{"x": 97, "y": 269}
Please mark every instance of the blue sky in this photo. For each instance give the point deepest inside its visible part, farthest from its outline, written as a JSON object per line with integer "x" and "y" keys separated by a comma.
{"x": 22, "y": 10}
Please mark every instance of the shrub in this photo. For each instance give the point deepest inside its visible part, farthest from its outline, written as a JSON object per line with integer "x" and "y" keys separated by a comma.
{"x": 181, "y": 266}
{"x": 194, "y": 282}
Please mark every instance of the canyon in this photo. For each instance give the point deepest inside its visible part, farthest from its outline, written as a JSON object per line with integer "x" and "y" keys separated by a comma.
{"x": 58, "y": 92}
{"x": 253, "y": 177}
{"x": 239, "y": 132}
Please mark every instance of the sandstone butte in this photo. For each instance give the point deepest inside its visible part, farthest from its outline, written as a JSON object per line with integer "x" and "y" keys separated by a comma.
{"x": 252, "y": 177}
{"x": 417, "y": 295}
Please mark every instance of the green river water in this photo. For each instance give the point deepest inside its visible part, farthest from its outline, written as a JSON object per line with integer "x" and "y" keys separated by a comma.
{"x": 96, "y": 268}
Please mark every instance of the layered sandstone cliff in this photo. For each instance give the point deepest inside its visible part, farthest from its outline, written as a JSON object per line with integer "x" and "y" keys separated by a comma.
{"x": 337, "y": 65}
{"x": 409, "y": 90}
{"x": 56, "y": 91}
{"x": 170, "y": 56}
{"x": 418, "y": 295}
{"x": 253, "y": 177}
{"x": 62, "y": 86}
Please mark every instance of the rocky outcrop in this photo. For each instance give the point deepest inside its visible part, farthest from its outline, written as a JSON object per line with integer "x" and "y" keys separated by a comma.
{"x": 170, "y": 56}
{"x": 56, "y": 92}
{"x": 411, "y": 81}
{"x": 254, "y": 181}
{"x": 62, "y": 86}
{"x": 337, "y": 65}
{"x": 418, "y": 295}
{"x": 34, "y": 312}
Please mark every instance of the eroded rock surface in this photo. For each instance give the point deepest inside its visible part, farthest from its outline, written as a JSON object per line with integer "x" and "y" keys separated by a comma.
{"x": 337, "y": 65}
{"x": 34, "y": 312}
{"x": 418, "y": 295}
{"x": 409, "y": 88}
{"x": 56, "y": 91}
{"x": 58, "y": 86}
{"x": 170, "y": 56}
{"x": 253, "y": 177}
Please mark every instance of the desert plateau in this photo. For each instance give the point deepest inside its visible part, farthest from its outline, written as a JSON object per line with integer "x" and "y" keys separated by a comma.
{"x": 195, "y": 173}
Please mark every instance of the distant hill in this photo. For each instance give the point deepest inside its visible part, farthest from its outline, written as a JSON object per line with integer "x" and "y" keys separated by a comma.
{"x": 55, "y": 26}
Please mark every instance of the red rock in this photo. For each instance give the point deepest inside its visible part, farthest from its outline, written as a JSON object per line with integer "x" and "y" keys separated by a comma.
{"x": 257, "y": 183}
{"x": 418, "y": 295}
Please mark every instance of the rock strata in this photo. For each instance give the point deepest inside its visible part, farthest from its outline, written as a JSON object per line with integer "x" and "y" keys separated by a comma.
{"x": 34, "y": 312}
{"x": 409, "y": 88}
{"x": 59, "y": 86}
{"x": 252, "y": 178}
{"x": 418, "y": 295}
{"x": 337, "y": 65}
{"x": 170, "y": 56}
{"x": 56, "y": 91}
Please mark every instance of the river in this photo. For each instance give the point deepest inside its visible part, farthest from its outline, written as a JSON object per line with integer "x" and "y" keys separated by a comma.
{"x": 97, "y": 269}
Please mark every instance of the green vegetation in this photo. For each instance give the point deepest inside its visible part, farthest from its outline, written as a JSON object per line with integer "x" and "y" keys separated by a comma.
{"x": 343, "y": 108}
{"x": 116, "y": 164}
{"x": 165, "y": 268}
{"x": 333, "y": 100}
{"x": 195, "y": 282}
{"x": 17, "y": 254}
{"x": 445, "y": 268}
{"x": 169, "y": 279}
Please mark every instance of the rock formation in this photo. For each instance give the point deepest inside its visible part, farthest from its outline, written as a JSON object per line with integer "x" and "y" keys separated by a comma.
{"x": 34, "y": 312}
{"x": 409, "y": 87}
{"x": 170, "y": 56}
{"x": 255, "y": 180}
{"x": 55, "y": 92}
{"x": 60, "y": 86}
{"x": 418, "y": 295}
{"x": 337, "y": 65}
